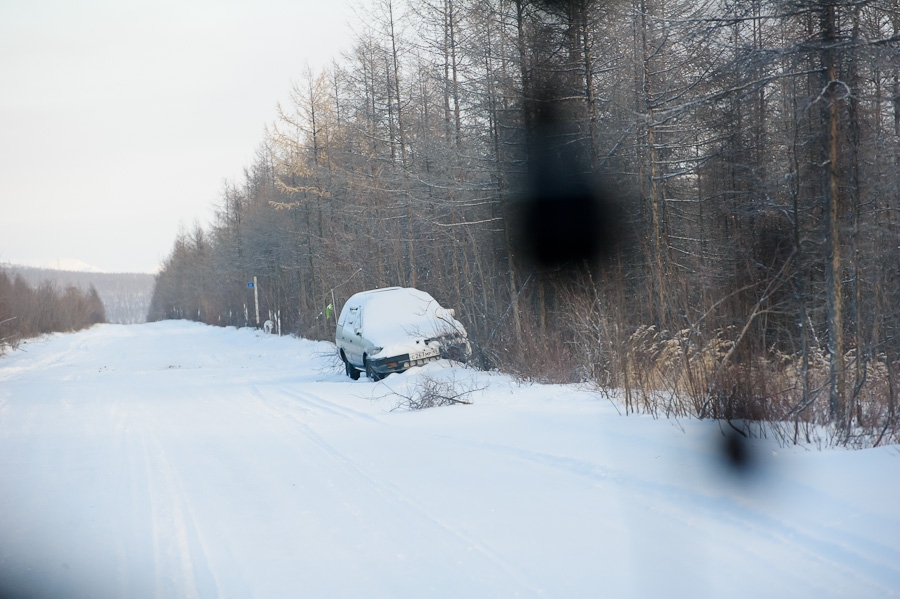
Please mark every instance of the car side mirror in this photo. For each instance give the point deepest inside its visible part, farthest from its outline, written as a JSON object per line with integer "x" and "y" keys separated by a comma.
{"x": 452, "y": 312}
{"x": 358, "y": 332}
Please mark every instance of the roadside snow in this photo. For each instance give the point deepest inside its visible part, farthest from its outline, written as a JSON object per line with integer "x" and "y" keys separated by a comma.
{"x": 175, "y": 459}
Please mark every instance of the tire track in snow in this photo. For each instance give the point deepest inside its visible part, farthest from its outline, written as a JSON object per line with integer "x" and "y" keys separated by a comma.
{"x": 391, "y": 493}
{"x": 686, "y": 505}
{"x": 180, "y": 562}
{"x": 325, "y": 404}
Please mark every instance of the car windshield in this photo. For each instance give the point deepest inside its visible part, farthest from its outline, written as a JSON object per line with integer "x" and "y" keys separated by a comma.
{"x": 395, "y": 316}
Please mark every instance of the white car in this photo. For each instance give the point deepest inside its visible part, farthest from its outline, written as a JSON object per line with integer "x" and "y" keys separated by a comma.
{"x": 390, "y": 330}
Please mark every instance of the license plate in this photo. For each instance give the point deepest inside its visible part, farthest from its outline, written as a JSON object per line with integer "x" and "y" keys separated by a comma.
{"x": 425, "y": 353}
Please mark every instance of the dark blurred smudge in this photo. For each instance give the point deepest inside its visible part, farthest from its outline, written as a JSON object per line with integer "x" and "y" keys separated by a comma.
{"x": 737, "y": 454}
{"x": 568, "y": 216}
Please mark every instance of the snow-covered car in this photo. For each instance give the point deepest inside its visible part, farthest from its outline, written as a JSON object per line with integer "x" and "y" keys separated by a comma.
{"x": 390, "y": 330}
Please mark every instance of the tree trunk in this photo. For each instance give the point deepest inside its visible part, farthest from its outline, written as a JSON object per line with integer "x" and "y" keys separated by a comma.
{"x": 831, "y": 209}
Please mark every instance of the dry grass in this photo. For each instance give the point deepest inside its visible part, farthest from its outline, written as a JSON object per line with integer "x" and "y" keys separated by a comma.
{"x": 684, "y": 374}
{"x": 719, "y": 374}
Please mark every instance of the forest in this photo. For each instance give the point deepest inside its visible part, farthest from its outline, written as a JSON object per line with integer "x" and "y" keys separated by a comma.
{"x": 28, "y": 311}
{"x": 125, "y": 296}
{"x": 717, "y": 182}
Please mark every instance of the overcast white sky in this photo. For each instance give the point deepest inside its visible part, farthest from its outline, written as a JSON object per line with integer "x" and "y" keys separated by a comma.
{"x": 120, "y": 120}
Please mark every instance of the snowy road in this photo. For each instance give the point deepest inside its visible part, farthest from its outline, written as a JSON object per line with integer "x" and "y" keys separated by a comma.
{"x": 179, "y": 460}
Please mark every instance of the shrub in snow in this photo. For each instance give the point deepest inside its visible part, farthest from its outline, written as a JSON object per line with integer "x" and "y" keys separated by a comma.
{"x": 430, "y": 392}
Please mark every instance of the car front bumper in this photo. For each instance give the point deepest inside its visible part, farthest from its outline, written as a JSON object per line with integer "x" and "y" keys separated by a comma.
{"x": 458, "y": 350}
{"x": 399, "y": 363}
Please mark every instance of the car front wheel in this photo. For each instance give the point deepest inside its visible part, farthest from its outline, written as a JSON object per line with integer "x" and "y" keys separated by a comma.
{"x": 352, "y": 372}
{"x": 370, "y": 372}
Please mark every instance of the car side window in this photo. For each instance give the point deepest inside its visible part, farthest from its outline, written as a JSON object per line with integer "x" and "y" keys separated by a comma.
{"x": 352, "y": 317}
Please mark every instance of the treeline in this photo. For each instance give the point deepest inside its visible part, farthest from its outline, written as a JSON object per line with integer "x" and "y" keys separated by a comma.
{"x": 753, "y": 146}
{"x": 125, "y": 296}
{"x": 27, "y": 311}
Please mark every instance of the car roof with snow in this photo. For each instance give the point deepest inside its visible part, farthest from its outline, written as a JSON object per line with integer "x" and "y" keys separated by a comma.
{"x": 399, "y": 312}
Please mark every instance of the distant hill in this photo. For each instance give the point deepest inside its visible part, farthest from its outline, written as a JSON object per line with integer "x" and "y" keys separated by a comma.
{"x": 126, "y": 296}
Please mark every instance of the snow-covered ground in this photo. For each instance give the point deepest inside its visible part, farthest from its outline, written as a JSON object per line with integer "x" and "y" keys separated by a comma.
{"x": 179, "y": 460}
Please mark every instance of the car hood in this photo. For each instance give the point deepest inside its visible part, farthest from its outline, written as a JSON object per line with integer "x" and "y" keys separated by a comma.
{"x": 400, "y": 320}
